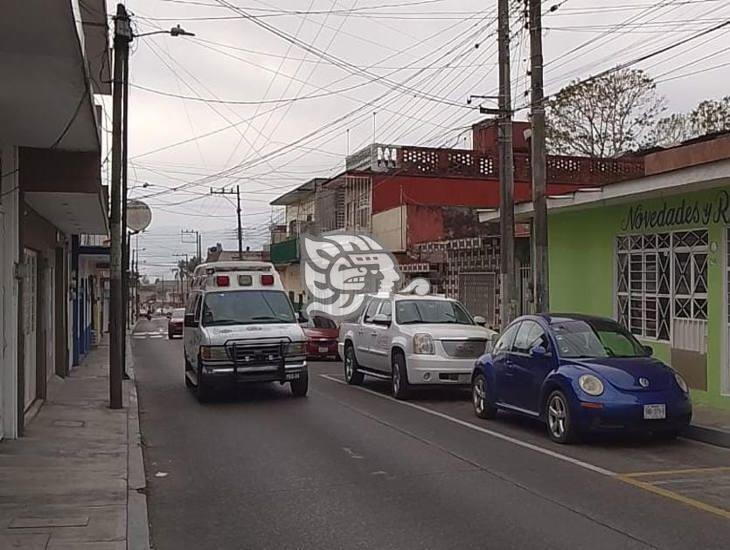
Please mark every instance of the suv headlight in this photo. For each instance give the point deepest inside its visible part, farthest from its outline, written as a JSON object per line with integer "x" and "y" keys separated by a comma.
{"x": 296, "y": 348}
{"x": 213, "y": 353}
{"x": 681, "y": 382}
{"x": 423, "y": 344}
{"x": 590, "y": 384}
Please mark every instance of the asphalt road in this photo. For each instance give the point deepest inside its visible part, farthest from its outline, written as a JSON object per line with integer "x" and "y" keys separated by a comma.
{"x": 351, "y": 468}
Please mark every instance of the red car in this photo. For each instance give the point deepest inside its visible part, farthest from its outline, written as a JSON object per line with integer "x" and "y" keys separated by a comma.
{"x": 322, "y": 334}
{"x": 175, "y": 323}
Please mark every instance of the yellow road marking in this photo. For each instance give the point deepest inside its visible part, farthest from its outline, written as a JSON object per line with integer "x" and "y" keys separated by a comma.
{"x": 675, "y": 496}
{"x": 673, "y": 472}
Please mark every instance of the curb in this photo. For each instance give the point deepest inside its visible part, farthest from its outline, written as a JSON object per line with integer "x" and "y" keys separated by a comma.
{"x": 138, "y": 532}
{"x": 712, "y": 436}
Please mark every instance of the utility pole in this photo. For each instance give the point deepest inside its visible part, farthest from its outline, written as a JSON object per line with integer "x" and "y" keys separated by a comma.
{"x": 198, "y": 240}
{"x": 539, "y": 227}
{"x": 237, "y": 192}
{"x": 506, "y": 171}
{"x": 122, "y": 38}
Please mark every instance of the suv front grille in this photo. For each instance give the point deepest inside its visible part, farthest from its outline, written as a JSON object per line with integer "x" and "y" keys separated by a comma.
{"x": 464, "y": 349}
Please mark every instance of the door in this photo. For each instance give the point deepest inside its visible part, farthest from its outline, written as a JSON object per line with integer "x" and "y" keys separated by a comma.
{"x": 478, "y": 293}
{"x": 380, "y": 341}
{"x": 30, "y": 312}
{"x": 191, "y": 335}
{"x": 502, "y": 362}
{"x": 365, "y": 336}
{"x": 528, "y": 372}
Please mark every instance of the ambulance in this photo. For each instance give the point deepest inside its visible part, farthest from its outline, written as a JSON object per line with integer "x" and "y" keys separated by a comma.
{"x": 239, "y": 328}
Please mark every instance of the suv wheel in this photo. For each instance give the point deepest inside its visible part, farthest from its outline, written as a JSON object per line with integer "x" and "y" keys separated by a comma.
{"x": 300, "y": 386}
{"x": 399, "y": 377}
{"x": 352, "y": 376}
{"x": 483, "y": 408}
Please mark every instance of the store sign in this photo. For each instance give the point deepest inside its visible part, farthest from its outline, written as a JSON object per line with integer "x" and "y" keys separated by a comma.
{"x": 687, "y": 212}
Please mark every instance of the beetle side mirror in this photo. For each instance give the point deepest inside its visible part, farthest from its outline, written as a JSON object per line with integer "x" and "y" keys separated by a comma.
{"x": 382, "y": 319}
{"x": 649, "y": 351}
{"x": 189, "y": 320}
{"x": 479, "y": 320}
{"x": 538, "y": 351}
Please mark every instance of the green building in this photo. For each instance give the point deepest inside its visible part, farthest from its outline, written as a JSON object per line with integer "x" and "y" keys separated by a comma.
{"x": 654, "y": 253}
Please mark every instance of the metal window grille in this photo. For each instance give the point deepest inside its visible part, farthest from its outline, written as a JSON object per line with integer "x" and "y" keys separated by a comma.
{"x": 661, "y": 277}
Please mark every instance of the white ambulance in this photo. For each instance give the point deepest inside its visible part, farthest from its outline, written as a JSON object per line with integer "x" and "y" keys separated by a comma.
{"x": 240, "y": 327}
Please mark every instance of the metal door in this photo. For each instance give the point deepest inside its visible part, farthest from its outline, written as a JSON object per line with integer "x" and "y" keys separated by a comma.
{"x": 478, "y": 292}
{"x": 30, "y": 312}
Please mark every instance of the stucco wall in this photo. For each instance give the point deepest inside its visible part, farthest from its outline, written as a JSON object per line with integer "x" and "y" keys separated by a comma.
{"x": 582, "y": 271}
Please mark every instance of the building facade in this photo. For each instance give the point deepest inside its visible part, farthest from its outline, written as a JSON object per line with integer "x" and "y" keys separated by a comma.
{"x": 654, "y": 253}
{"x": 54, "y": 58}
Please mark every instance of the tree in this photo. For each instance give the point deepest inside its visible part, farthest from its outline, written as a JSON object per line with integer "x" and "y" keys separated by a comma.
{"x": 605, "y": 116}
{"x": 710, "y": 116}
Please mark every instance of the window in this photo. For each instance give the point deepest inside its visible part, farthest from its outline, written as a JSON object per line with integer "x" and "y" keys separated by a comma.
{"x": 659, "y": 277}
{"x": 387, "y": 308}
{"x": 245, "y": 307}
{"x": 412, "y": 312}
{"x": 198, "y": 302}
{"x": 505, "y": 341}
{"x": 370, "y": 313}
{"x": 529, "y": 336}
{"x": 595, "y": 338}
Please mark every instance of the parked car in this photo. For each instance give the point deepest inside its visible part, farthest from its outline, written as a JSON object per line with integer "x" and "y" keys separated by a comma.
{"x": 175, "y": 323}
{"x": 413, "y": 341}
{"x": 580, "y": 374}
{"x": 240, "y": 328}
{"x": 322, "y": 334}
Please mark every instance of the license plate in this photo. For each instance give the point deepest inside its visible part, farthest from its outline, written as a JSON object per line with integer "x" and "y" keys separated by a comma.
{"x": 655, "y": 412}
{"x": 292, "y": 376}
{"x": 323, "y": 349}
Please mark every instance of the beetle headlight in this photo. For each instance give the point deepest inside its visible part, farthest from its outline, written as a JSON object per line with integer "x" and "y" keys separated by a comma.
{"x": 590, "y": 384}
{"x": 423, "y": 344}
{"x": 213, "y": 353}
{"x": 681, "y": 382}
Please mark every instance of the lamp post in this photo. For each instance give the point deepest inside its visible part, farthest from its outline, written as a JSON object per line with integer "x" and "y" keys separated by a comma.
{"x": 119, "y": 272}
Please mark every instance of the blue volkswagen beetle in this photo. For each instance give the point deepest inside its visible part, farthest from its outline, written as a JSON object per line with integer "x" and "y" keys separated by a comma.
{"x": 579, "y": 374}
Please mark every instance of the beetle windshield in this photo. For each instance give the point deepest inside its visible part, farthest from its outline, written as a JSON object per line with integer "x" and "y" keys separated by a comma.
{"x": 409, "y": 312}
{"x": 595, "y": 338}
{"x": 246, "y": 307}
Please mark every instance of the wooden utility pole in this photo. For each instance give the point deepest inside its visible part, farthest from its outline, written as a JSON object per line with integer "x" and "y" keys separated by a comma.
{"x": 237, "y": 192}
{"x": 506, "y": 171}
{"x": 122, "y": 38}
{"x": 539, "y": 227}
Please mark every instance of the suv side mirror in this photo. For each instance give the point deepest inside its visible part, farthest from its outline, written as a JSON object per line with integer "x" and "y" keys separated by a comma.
{"x": 189, "y": 320}
{"x": 538, "y": 351}
{"x": 382, "y": 319}
{"x": 479, "y": 320}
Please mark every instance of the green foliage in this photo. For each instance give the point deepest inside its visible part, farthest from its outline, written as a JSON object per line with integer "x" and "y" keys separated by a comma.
{"x": 709, "y": 117}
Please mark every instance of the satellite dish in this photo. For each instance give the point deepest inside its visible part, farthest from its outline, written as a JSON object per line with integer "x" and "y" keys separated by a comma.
{"x": 139, "y": 215}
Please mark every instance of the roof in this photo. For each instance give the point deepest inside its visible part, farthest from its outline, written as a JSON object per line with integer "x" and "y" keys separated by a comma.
{"x": 298, "y": 194}
{"x": 553, "y": 318}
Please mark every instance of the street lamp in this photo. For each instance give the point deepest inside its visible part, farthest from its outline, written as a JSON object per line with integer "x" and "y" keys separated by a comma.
{"x": 177, "y": 30}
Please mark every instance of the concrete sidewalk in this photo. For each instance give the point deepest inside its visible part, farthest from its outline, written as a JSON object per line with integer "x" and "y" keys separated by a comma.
{"x": 76, "y": 480}
{"x": 710, "y": 425}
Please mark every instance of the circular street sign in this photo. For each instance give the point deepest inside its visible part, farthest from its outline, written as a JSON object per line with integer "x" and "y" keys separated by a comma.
{"x": 139, "y": 215}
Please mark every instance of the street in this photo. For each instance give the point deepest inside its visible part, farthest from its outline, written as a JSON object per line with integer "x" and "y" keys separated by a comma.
{"x": 352, "y": 468}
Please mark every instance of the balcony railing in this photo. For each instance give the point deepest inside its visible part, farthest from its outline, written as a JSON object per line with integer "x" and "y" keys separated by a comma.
{"x": 285, "y": 252}
{"x": 559, "y": 168}
{"x": 427, "y": 161}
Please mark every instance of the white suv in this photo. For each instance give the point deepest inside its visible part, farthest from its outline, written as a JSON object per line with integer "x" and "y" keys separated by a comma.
{"x": 413, "y": 340}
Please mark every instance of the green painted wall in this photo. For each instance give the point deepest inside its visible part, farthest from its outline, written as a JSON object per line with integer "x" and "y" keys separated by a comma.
{"x": 582, "y": 273}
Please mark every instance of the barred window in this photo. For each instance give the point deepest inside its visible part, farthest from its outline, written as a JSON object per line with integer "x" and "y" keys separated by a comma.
{"x": 658, "y": 277}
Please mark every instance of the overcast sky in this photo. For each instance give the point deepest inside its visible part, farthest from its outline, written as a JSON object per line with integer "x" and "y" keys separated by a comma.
{"x": 269, "y": 103}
